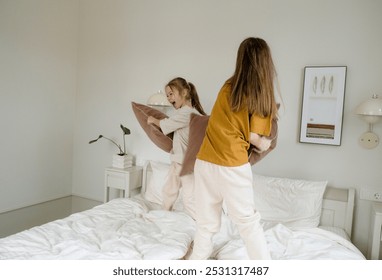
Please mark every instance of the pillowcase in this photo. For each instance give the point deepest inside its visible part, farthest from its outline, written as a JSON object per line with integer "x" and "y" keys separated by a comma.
{"x": 155, "y": 182}
{"x": 294, "y": 203}
{"x": 198, "y": 125}
{"x": 142, "y": 112}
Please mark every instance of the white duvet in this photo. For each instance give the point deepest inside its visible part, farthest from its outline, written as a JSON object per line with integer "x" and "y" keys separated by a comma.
{"x": 288, "y": 244}
{"x": 121, "y": 229}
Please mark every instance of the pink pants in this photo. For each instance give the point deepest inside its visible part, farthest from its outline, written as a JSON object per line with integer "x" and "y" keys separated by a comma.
{"x": 213, "y": 184}
{"x": 172, "y": 187}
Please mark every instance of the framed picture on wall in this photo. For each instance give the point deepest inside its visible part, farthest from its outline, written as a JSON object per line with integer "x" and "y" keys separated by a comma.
{"x": 322, "y": 105}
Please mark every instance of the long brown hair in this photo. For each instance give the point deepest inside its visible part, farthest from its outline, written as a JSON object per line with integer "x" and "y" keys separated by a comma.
{"x": 253, "y": 80}
{"x": 190, "y": 92}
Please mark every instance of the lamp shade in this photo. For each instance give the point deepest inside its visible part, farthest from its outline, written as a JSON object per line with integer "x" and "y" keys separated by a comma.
{"x": 371, "y": 109}
{"x": 158, "y": 99}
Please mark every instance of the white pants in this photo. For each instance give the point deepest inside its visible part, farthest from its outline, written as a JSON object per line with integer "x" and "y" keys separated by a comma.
{"x": 172, "y": 187}
{"x": 213, "y": 184}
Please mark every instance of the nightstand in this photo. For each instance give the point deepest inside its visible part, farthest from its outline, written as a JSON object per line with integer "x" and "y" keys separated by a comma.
{"x": 375, "y": 231}
{"x": 127, "y": 181}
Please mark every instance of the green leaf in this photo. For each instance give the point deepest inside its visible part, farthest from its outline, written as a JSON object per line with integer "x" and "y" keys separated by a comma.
{"x": 125, "y": 130}
{"x": 95, "y": 140}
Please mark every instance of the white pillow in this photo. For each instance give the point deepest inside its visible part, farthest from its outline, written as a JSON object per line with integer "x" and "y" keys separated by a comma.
{"x": 294, "y": 203}
{"x": 156, "y": 181}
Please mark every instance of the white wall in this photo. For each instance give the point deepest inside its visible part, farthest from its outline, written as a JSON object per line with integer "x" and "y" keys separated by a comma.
{"x": 38, "y": 60}
{"x": 128, "y": 49}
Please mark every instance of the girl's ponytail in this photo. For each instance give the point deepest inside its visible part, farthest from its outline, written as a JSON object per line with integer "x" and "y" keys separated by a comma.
{"x": 195, "y": 99}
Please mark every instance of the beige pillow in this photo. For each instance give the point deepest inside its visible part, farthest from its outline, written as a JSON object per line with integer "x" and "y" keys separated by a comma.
{"x": 142, "y": 112}
{"x": 198, "y": 125}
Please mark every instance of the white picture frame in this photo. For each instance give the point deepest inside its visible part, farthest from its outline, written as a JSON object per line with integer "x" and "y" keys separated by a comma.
{"x": 322, "y": 104}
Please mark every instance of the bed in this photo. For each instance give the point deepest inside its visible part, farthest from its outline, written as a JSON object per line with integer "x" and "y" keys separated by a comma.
{"x": 136, "y": 228}
{"x": 308, "y": 236}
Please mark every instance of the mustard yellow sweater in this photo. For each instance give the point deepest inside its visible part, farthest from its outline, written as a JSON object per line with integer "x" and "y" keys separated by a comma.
{"x": 226, "y": 142}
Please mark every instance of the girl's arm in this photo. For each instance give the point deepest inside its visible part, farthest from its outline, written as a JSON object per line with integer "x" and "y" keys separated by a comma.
{"x": 178, "y": 120}
{"x": 260, "y": 142}
{"x": 152, "y": 120}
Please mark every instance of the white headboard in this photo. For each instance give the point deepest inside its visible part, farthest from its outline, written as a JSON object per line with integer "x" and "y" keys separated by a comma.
{"x": 337, "y": 208}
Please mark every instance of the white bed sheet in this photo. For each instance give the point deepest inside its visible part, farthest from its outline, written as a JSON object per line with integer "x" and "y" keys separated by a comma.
{"x": 120, "y": 229}
{"x": 288, "y": 244}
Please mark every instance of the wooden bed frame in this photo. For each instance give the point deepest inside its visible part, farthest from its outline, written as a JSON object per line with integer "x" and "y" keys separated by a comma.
{"x": 337, "y": 206}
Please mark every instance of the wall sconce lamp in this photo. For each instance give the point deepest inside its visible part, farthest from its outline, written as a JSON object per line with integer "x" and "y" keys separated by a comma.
{"x": 371, "y": 112}
{"x": 158, "y": 99}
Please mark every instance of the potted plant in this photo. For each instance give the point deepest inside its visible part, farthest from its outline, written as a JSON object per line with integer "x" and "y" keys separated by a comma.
{"x": 122, "y": 159}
